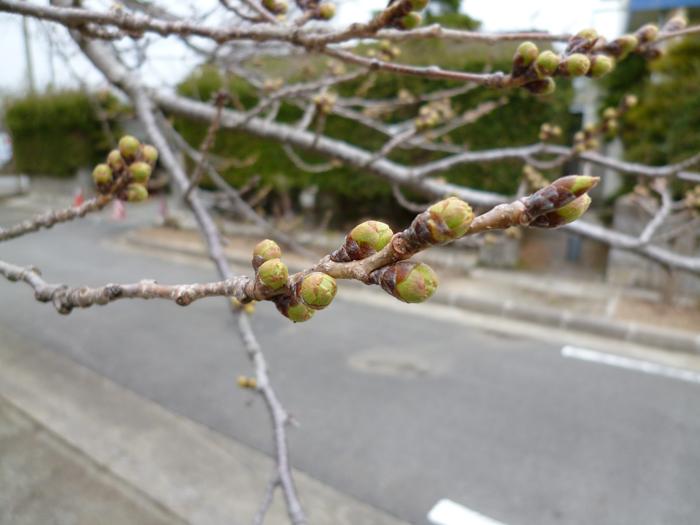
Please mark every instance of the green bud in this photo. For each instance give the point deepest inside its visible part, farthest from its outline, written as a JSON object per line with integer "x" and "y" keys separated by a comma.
{"x": 601, "y": 65}
{"x": 588, "y": 34}
{"x": 626, "y": 44}
{"x": 265, "y": 251}
{"x": 326, "y": 11}
{"x": 140, "y": 171}
{"x": 136, "y": 192}
{"x": 273, "y": 274}
{"x": 115, "y": 160}
{"x": 579, "y": 184}
{"x": 407, "y": 281}
{"x": 544, "y": 86}
{"x": 609, "y": 113}
{"x": 547, "y": 63}
{"x": 411, "y": 20}
{"x": 102, "y": 174}
{"x": 277, "y": 7}
{"x": 526, "y": 53}
{"x": 149, "y": 154}
{"x": 449, "y": 219}
{"x": 647, "y": 33}
{"x": 564, "y": 215}
{"x": 318, "y": 290}
{"x": 577, "y": 64}
{"x": 299, "y": 312}
{"x": 371, "y": 236}
{"x": 129, "y": 147}
{"x": 418, "y": 5}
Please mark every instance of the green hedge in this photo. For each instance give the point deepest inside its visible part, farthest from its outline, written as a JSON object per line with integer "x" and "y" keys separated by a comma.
{"x": 665, "y": 126}
{"x": 57, "y": 133}
{"x": 360, "y": 194}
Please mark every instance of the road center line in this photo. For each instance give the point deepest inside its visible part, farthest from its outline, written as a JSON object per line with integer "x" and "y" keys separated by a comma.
{"x": 638, "y": 365}
{"x": 447, "y": 512}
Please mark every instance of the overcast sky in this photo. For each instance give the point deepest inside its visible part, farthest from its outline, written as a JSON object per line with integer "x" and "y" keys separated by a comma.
{"x": 171, "y": 62}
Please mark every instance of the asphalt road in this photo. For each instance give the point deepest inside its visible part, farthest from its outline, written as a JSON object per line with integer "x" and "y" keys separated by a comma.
{"x": 396, "y": 408}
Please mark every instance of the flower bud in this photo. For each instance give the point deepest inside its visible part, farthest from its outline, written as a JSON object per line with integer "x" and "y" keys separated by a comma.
{"x": 247, "y": 382}
{"x": 418, "y": 5}
{"x": 318, "y": 290}
{"x": 609, "y": 113}
{"x": 265, "y": 251}
{"x": 564, "y": 215}
{"x": 588, "y": 34}
{"x": 630, "y": 101}
{"x": 102, "y": 174}
{"x": 556, "y": 195}
{"x": 273, "y": 274}
{"x": 647, "y": 33}
{"x": 601, "y": 65}
{"x": 140, "y": 171}
{"x": 129, "y": 147}
{"x": 136, "y": 192}
{"x": 525, "y": 54}
{"x": 365, "y": 239}
{"x": 449, "y": 219}
{"x": 292, "y": 308}
{"x": 411, "y": 20}
{"x": 326, "y": 11}
{"x": 547, "y": 63}
{"x": 577, "y": 64}
{"x": 626, "y": 44}
{"x": 278, "y": 7}
{"x": 149, "y": 154}
{"x": 115, "y": 160}
{"x": 407, "y": 281}
{"x": 676, "y": 23}
{"x": 545, "y": 86}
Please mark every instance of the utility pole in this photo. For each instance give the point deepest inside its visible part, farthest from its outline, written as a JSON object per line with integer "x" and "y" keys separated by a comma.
{"x": 28, "y": 56}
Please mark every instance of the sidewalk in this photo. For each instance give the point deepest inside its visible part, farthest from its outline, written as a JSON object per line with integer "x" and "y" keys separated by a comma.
{"x": 78, "y": 449}
{"x": 631, "y": 315}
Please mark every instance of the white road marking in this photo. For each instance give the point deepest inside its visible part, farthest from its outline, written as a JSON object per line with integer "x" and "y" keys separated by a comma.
{"x": 447, "y": 512}
{"x": 638, "y": 365}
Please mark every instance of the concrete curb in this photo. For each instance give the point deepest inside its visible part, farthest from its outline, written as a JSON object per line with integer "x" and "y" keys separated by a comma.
{"x": 197, "y": 474}
{"x": 667, "y": 339}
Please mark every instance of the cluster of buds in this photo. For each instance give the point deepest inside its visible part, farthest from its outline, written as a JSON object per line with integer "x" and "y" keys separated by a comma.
{"x": 433, "y": 114}
{"x": 127, "y": 170}
{"x": 583, "y": 57}
{"x": 296, "y": 299}
{"x": 408, "y": 15}
{"x": 325, "y": 102}
{"x": 534, "y": 178}
{"x": 388, "y": 51}
{"x": 276, "y": 7}
{"x": 549, "y": 132}
{"x": 587, "y": 138}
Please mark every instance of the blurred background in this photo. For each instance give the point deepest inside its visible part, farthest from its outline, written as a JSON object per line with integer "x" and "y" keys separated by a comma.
{"x": 551, "y": 380}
